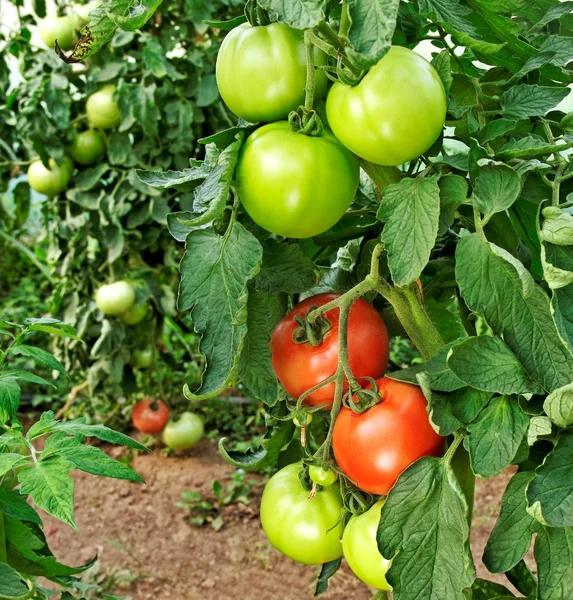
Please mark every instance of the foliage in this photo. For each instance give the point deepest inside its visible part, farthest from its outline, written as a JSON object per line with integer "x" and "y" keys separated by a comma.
{"x": 42, "y": 475}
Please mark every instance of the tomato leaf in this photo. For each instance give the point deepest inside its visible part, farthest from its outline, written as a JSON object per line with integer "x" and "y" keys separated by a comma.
{"x": 482, "y": 589}
{"x": 13, "y": 504}
{"x": 41, "y": 356}
{"x": 554, "y": 556}
{"x": 495, "y": 284}
{"x": 511, "y": 537}
{"x": 326, "y": 572}
{"x": 423, "y": 527}
{"x": 12, "y": 584}
{"x": 525, "y": 100}
{"x": 496, "y": 436}
{"x": 300, "y": 14}
{"x": 214, "y": 275}
{"x": 496, "y": 188}
{"x": 411, "y": 210}
{"x": 448, "y": 13}
{"x": 559, "y": 406}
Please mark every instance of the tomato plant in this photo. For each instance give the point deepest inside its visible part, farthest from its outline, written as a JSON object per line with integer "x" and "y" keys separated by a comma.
{"x": 150, "y": 415}
{"x": 361, "y": 549}
{"x": 88, "y": 147}
{"x": 305, "y": 529}
{"x": 301, "y": 365}
{"x": 183, "y": 433}
{"x": 295, "y": 185}
{"x": 394, "y": 114}
{"x": 50, "y": 181}
{"x": 261, "y": 71}
{"x": 115, "y": 298}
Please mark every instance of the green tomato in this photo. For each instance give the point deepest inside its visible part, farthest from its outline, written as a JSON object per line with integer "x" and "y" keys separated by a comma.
{"x": 183, "y": 433}
{"x": 305, "y": 529}
{"x": 88, "y": 147}
{"x": 102, "y": 110}
{"x": 361, "y": 549}
{"x": 261, "y": 71}
{"x": 57, "y": 28}
{"x": 143, "y": 359}
{"x": 82, "y": 12}
{"x": 324, "y": 477}
{"x": 50, "y": 181}
{"x": 135, "y": 314}
{"x": 394, "y": 114}
{"x": 115, "y": 298}
{"x": 295, "y": 185}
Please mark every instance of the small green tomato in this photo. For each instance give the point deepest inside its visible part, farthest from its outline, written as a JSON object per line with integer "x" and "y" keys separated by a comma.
{"x": 324, "y": 477}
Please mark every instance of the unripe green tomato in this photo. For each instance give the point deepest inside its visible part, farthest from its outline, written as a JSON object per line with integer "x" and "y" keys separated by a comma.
{"x": 324, "y": 477}
{"x": 305, "y": 529}
{"x": 88, "y": 147}
{"x": 50, "y": 181}
{"x": 261, "y": 71}
{"x": 183, "y": 433}
{"x": 115, "y": 298}
{"x": 57, "y": 28}
{"x": 361, "y": 548}
{"x": 102, "y": 110}
{"x": 135, "y": 314}
{"x": 82, "y": 12}
{"x": 143, "y": 359}
{"x": 394, "y": 114}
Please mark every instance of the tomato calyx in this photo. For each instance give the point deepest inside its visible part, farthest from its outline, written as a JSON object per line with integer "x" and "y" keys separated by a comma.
{"x": 363, "y": 399}
{"x": 311, "y": 331}
{"x": 256, "y": 15}
{"x": 306, "y": 122}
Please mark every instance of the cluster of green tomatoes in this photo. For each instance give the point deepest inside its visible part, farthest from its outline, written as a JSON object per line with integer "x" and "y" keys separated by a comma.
{"x": 150, "y": 415}
{"x": 300, "y": 184}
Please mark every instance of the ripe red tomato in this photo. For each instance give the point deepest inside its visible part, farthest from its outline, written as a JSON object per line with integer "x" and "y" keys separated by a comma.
{"x": 150, "y": 415}
{"x": 375, "y": 447}
{"x": 301, "y": 366}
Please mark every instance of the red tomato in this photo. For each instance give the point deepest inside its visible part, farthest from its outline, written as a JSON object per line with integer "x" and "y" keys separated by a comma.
{"x": 150, "y": 415}
{"x": 373, "y": 448}
{"x": 301, "y": 366}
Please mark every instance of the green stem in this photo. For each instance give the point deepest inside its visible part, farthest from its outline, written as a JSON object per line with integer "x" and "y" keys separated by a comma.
{"x": 557, "y": 185}
{"x": 330, "y": 36}
{"x": 8, "y": 150}
{"x": 309, "y": 87}
{"x": 3, "y": 551}
{"x": 344, "y": 22}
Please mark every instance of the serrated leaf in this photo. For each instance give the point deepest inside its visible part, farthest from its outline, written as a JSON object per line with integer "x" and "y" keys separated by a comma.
{"x": 166, "y": 179}
{"x": 448, "y": 13}
{"x": 496, "y": 285}
{"x": 411, "y": 210}
{"x": 554, "y": 558}
{"x": 522, "y": 101}
{"x": 300, "y": 14}
{"x": 496, "y": 128}
{"x": 214, "y": 275}
{"x": 9, "y": 397}
{"x": 285, "y": 269}
{"x": 496, "y": 436}
{"x": 255, "y": 363}
{"x": 51, "y": 487}
{"x": 137, "y": 15}
{"x": 510, "y": 539}
{"x": 486, "y": 363}
{"x": 41, "y": 356}
{"x": 8, "y": 460}
{"x": 550, "y": 491}
{"x": 496, "y": 188}
{"x": 423, "y": 527}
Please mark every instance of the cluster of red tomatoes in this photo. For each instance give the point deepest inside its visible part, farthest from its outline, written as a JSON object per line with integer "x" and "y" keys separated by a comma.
{"x": 298, "y": 185}
{"x": 371, "y": 448}
{"x": 87, "y": 148}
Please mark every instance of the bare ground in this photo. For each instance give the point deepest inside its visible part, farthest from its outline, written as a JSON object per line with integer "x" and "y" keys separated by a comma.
{"x": 145, "y": 542}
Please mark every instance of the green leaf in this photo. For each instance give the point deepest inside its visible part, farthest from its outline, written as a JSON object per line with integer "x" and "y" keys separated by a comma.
{"x": 482, "y": 589}
{"x": 41, "y": 356}
{"x": 89, "y": 178}
{"x": 447, "y": 322}
{"x": 453, "y": 192}
{"x": 448, "y": 13}
{"x": 511, "y": 537}
{"x": 424, "y": 528}
{"x": 9, "y": 397}
{"x": 467, "y": 403}
{"x": 12, "y": 584}
{"x": 13, "y": 504}
{"x": 226, "y": 25}
{"x": 559, "y": 406}
{"x": 549, "y": 494}
{"x": 496, "y": 285}
{"x": 554, "y": 557}
{"x": 285, "y": 269}
{"x": 326, "y": 572}
{"x": 411, "y": 210}
{"x": 487, "y": 364}
{"x": 255, "y": 366}
{"x": 137, "y": 16}
{"x": 214, "y": 275}
{"x": 496, "y": 436}
{"x": 371, "y": 28}
{"x": 51, "y": 487}
{"x": 557, "y": 227}
{"x": 300, "y": 14}
{"x": 29, "y": 378}
{"x": 562, "y": 308}
{"x": 166, "y": 179}
{"x": 539, "y": 426}
{"x": 496, "y": 188}
{"x": 521, "y": 101}
{"x": 8, "y": 460}
{"x": 496, "y": 128}
{"x": 442, "y": 63}
{"x": 523, "y": 580}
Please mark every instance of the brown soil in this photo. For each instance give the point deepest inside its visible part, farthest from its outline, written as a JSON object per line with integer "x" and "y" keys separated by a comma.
{"x": 145, "y": 541}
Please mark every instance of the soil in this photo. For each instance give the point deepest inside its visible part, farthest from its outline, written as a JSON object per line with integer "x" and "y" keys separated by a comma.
{"x": 148, "y": 549}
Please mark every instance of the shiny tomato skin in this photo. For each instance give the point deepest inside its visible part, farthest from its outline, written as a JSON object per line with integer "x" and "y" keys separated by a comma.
{"x": 102, "y": 110}
{"x": 88, "y": 147}
{"x": 304, "y": 529}
{"x": 394, "y": 114}
{"x": 375, "y": 447}
{"x": 50, "y": 181}
{"x": 261, "y": 71}
{"x": 324, "y": 477}
{"x": 295, "y": 185}
{"x": 300, "y": 367}
{"x": 115, "y": 298}
{"x": 361, "y": 548}
{"x": 60, "y": 29}
{"x": 146, "y": 418}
